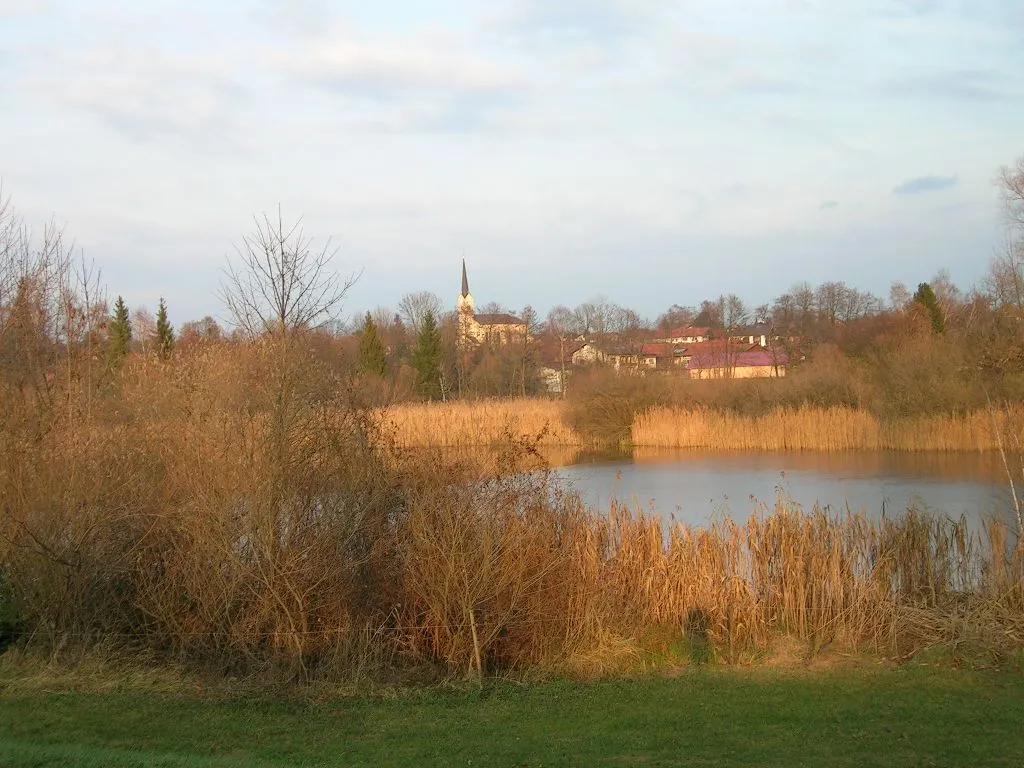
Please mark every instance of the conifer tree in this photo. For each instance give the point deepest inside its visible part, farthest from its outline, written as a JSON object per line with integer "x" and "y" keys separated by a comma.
{"x": 120, "y": 333}
{"x": 925, "y": 297}
{"x": 164, "y": 332}
{"x": 372, "y": 355}
{"x": 426, "y": 357}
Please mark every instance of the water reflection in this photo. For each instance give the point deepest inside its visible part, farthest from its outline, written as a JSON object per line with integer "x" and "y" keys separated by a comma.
{"x": 694, "y": 486}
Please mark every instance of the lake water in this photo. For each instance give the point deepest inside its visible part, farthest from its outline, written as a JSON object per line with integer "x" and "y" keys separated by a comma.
{"x": 695, "y": 486}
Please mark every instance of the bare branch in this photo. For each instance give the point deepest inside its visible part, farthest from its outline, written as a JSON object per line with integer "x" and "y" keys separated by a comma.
{"x": 279, "y": 284}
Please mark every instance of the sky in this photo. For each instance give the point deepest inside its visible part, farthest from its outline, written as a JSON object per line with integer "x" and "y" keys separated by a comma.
{"x": 655, "y": 152}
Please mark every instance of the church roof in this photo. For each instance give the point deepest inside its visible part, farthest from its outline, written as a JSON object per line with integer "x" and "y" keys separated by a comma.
{"x": 497, "y": 318}
{"x": 465, "y": 280}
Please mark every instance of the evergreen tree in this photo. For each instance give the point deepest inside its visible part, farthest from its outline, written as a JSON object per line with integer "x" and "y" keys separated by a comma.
{"x": 426, "y": 357}
{"x": 372, "y": 355}
{"x": 120, "y": 333}
{"x": 399, "y": 342}
{"x": 164, "y": 333}
{"x": 925, "y": 297}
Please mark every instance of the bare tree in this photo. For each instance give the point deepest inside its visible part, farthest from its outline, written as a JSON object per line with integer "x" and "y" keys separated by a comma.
{"x": 734, "y": 312}
{"x": 829, "y": 300}
{"x": 1012, "y": 186}
{"x": 562, "y": 324}
{"x": 676, "y": 317}
{"x": 1005, "y": 280}
{"x": 710, "y": 314}
{"x": 414, "y": 307}
{"x": 281, "y": 285}
{"x": 596, "y": 316}
{"x": 144, "y": 328}
{"x": 899, "y": 296}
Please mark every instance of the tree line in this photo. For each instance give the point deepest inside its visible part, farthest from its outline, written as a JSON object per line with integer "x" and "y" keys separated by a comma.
{"x": 413, "y": 349}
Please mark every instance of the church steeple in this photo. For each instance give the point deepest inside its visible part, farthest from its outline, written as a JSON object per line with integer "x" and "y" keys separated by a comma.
{"x": 464, "y": 304}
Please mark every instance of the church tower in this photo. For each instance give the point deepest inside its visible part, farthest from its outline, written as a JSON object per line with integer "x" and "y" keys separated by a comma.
{"x": 465, "y": 301}
{"x": 464, "y": 306}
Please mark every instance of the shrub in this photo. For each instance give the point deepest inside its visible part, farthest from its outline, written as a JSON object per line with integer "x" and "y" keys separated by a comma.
{"x": 602, "y": 406}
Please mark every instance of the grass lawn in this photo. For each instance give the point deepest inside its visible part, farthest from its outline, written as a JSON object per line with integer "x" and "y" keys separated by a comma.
{"x": 706, "y": 717}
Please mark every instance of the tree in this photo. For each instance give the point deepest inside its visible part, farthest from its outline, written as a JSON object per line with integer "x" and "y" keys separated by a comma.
{"x": 710, "y": 314}
{"x": 164, "y": 332}
{"x": 562, "y": 324}
{"x": 924, "y": 297}
{"x": 899, "y": 296}
{"x": 414, "y": 307}
{"x": 595, "y": 317}
{"x": 143, "y": 328}
{"x": 1005, "y": 280}
{"x": 119, "y": 333}
{"x": 372, "y": 356}
{"x": 1012, "y": 184}
{"x": 676, "y": 317}
{"x": 426, "y": 357}
{"x": 281, "y": 285}
{"x": 734, "y": 312}
{"x": 526, "y": 350}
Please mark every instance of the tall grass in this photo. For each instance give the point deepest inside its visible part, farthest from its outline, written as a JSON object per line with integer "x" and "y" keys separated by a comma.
{"x": 807, "y": 428}
{"x": 460, "y": 424}
{"x": 240, "y": 509}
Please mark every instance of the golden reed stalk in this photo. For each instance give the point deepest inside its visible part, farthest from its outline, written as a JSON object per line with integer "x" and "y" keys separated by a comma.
{"x": 819, "y": 429}
{"x": 463, "y": 424}
{"x": 486, "y": 422}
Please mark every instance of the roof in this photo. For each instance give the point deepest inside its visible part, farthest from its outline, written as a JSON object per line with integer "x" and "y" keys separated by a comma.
{"x": 465, "y": 280}
{"x": 497, "y": 318}
{"x": 549, "y": 350}
{"x": 656, "y": 349}
{"x": 750, "y": 359}
{"x": 686, "y": 332}
{"x": 714, "y": 347}
{"x": 646, "y": 349}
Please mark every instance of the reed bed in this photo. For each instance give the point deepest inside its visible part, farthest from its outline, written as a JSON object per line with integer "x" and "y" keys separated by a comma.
{"x": 234, "y": 511}
{"x": 462, "y": 424}
{"x": 889, "y": 587}
{"x": 808, "y": 428}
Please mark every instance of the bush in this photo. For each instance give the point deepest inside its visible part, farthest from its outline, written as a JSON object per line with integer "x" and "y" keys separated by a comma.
{"x": 603, "y": 405}
{"x": 10, "y": 618}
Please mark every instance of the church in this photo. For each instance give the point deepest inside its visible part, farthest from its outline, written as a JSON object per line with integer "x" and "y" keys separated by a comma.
{"x": 485, "y": 328}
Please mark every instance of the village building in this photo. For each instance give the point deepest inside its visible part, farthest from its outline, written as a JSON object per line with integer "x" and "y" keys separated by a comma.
{"x": 484, "y": 328}
{"x": 752, "y": 362}
{"x": 689, "y": 334}
{"x": 586, "y": 353}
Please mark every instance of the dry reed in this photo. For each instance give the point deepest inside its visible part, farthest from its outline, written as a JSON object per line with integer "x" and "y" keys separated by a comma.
{"x": 462, "y": 424}
{"x": 234, "y": 509}
{"x": 819, "y": 429}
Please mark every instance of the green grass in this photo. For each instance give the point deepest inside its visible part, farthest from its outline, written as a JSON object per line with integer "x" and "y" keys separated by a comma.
{"x": 708, "y": 717}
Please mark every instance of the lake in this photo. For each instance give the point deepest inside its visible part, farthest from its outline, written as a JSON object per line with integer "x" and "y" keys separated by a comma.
{"x": 695, "y": 486}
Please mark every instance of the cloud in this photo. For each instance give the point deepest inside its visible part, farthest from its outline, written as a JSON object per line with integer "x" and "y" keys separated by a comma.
{"x": 959, "y": 85}
{"x": 148, "y": 94}
{"x": 829, "y": 205}
{"x": 381, "y": 71}
{"x": 419, "y": 85}
{"x": 582, "y": 20}
{"x": 759, "y": 85}
{"x": 924, "y": 184}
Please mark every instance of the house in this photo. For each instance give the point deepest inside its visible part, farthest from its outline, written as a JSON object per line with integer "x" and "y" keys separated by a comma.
{"x": 586, "y": 353}
{"x": 750, "y": 363}
{"x": 758, "y": 334}
{"x": 688, "y": 334}
{"x": 490, "y": 328}
{"x": 645, "y": 356}
{"x": 550, "y": 379}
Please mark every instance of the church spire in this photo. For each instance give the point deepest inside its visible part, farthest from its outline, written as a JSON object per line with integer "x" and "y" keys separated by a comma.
{"x": 465, "y": 280}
